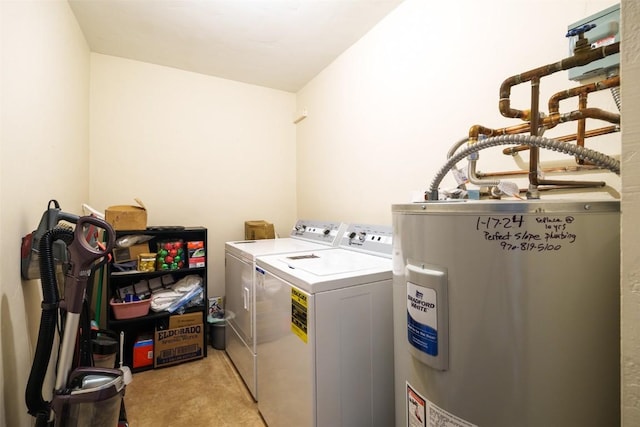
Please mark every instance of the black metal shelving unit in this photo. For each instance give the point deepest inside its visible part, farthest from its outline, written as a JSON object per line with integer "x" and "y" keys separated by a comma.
{"x": 138, "y": 326}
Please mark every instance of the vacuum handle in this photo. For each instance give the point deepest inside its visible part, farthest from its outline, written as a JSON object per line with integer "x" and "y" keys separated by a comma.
{"x": 82, "y": 256}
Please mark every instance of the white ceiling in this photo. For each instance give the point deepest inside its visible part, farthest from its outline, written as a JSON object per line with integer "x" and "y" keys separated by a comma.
{"x": 281, "y": 44}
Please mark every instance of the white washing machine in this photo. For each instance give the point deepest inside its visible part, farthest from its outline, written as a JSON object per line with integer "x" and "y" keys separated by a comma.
{"x": 241, "y": 298}
{"x": 326, "y": 349}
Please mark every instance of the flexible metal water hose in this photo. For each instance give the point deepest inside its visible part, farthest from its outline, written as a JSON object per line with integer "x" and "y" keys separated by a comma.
{"x": 593, "y": 156}
{"x": 457, "y": 145}
{"x": 615, "y": 91}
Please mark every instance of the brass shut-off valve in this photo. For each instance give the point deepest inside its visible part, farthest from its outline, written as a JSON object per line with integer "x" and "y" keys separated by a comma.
{"x": 582, "y": 44}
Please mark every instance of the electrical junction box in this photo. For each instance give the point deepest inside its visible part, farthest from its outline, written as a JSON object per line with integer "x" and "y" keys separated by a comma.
{"x": 605, "y": 32}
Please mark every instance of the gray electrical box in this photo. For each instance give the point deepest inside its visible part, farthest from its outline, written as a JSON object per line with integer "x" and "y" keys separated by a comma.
{"x": 605, "y": 32}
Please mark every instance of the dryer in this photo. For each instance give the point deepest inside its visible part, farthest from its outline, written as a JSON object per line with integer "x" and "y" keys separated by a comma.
{"x": 240, "y": 296}
{"x": 326, "y": 352}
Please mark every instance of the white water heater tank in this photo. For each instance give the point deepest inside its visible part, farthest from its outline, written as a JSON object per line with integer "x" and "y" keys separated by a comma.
{"x": 507, "y": 313}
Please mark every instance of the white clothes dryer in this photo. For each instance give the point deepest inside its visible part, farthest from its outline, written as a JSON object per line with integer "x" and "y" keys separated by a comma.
{"x": 326, "y": 349}
{"x": 240, "y": 296}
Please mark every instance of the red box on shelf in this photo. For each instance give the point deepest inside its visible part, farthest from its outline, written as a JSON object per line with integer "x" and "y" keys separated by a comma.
{"x": 196, "y": 253}
{"x": 143, "y": 353}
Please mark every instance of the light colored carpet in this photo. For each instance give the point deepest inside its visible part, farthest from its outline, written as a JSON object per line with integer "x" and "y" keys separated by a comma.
{"x": 205, "y": 392}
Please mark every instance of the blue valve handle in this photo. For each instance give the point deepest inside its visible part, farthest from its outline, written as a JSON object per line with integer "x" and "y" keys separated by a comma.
{"x": 580, "y": 30}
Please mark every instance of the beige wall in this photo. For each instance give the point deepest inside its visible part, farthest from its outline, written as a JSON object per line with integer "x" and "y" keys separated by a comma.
{"x": 44, "y": 154}
{"x": 630, "y": 234}
{"x": 380, "y": 121}
{"x": 197, "y": 150}
{"x": 389, "y": 108}
{"x": 392, "y": 106}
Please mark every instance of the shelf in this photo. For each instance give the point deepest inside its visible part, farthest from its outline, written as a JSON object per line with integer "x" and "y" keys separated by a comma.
{"x": 156, "y": 321}
{"x": 156, "y": 273}
{"x": 152, "y": 316}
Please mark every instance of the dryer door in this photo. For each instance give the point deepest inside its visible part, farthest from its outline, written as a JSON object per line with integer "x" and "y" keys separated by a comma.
{"x": 239, "y": 296}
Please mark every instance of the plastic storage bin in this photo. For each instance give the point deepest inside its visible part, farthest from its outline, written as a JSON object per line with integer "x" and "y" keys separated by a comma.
{"x": 129, "y": 310}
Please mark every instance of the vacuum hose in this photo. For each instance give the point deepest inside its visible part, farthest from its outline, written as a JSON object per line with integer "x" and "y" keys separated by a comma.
{"x": 580, "y": 152}
{"x": 36, "y": 404}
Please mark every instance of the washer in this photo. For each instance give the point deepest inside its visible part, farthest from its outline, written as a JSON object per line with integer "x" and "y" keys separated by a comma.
{"x": 240, "y": 295}
{"x": 326, "y": 354}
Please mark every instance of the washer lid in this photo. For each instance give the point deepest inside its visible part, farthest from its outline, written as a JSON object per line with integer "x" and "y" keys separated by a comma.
{"x": 252, "y": 248}
{"x": 328, "y": 263}
{"x": 318, "y": 271}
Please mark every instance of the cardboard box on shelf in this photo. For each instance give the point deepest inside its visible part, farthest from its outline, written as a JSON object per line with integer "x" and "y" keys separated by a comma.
{"x": 131, "y": 253}
{"x": 181, "y": 343}
{"x": 127, "y": 217}
{"x": 187, "y": 319}
{"x": 195, "y": 253}
{"x": 257, "y": 230}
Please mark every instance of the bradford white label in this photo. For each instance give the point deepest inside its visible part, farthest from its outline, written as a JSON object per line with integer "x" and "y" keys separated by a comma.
{"x": 422, "y": 318}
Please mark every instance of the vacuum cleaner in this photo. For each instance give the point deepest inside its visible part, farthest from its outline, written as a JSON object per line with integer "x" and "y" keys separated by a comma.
{"x": 84, "y": 394}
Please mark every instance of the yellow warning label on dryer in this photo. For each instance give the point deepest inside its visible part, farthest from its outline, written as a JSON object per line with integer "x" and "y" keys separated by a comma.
{"x": 299, "y": 310}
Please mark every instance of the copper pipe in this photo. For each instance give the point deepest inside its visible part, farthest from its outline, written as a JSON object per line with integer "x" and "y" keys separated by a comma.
{"x": 587, "y": 113}
{"x": 476, "y": 130}
{"x": 558, "y": 169}
{"x": 554, "y": 106}
{"x": 582, "y": 124}
{"x": 581, "y": 184}
{"x": 535, "y": 106}
{"x": 510, "y": 151}
{"x": 580, "y": 58}
{"x": 548, "y": 123}
{"x": 590, "y": 133}
{"x": 554, "y": 101}
{"x": 534, "y": 152}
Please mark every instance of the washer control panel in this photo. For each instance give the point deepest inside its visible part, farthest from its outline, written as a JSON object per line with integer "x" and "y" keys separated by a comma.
{"x": 318, "y": 231}
{"x": 374, "y": 239}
